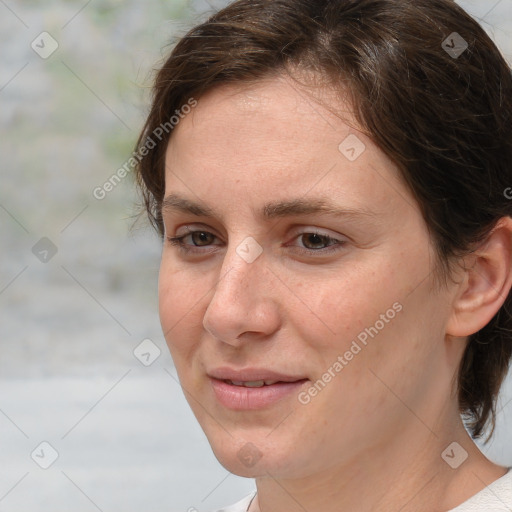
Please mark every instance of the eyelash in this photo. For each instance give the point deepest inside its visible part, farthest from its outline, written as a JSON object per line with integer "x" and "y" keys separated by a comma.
{"x": 177, "y": 241}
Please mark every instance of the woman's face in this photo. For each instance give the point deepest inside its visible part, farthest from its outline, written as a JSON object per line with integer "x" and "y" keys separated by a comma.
{"x": 309, "y": 263}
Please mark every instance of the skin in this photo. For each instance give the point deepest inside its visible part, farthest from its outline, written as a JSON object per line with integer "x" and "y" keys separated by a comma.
{"x": 372, "y": 438}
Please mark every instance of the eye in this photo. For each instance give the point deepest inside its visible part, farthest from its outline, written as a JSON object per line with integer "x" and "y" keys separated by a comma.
{"x": 310, "y": 240}
{"x": 202, "y": 237}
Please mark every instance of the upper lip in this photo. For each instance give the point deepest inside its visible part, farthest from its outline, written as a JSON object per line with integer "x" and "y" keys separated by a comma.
{"x": 251, "y": 374}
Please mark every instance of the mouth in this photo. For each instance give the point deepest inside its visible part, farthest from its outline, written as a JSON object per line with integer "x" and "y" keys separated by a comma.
{"x": 244, "y": 394}
{"x": 255, "y": 383}
{"x": 253, "y": 377}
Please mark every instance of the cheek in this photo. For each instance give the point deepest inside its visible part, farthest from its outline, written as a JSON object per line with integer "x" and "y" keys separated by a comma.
{"x": 179, "y": 301}
{"x": 368, "y": 317}
{"x": 337, "y": 308}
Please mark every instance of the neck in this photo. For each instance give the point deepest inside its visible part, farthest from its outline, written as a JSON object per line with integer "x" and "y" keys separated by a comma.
{"x": 406, "y": 473}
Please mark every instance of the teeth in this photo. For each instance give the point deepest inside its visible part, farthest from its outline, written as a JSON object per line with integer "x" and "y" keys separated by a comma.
{"x": 253, "y": 383}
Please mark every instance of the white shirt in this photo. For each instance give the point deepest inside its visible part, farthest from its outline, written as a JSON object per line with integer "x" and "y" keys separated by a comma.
{"x": 496, "y": 497}
{"x": 240, "y": 506}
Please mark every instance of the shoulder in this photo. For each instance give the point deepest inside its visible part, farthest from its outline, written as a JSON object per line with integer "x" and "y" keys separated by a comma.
{"x": 496, "y": 497}
{"x": 239, "y": 506}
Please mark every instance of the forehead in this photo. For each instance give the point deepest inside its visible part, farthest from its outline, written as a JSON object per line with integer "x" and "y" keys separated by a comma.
{"x": 253, "y": 110}
{"x": 273, "y": 140}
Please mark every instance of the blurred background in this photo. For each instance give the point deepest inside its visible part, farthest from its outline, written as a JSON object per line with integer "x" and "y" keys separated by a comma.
{"x": 84, "y": 368}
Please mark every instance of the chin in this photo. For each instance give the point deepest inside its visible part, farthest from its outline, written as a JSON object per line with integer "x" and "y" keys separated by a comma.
{"x": 252, "y": 457}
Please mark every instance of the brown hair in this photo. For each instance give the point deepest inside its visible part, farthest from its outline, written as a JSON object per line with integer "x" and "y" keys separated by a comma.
{"x": 442, "y": 115}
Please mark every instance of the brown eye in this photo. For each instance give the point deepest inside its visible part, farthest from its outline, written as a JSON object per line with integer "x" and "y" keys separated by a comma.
{"x": 316, "y": 244}
{"x": 201, "y": 237}
{"x": 312, "y": 240}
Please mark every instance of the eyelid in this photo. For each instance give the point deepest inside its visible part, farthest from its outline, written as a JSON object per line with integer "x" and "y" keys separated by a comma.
{"x": 191, "y": 228}
{"x": 299, "y": 229}
{"x": 177, "y": 241}
{"x": 319, "y": 231}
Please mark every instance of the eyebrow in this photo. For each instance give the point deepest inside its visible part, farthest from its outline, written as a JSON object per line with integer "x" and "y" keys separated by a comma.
{"x": 272, "y": 210}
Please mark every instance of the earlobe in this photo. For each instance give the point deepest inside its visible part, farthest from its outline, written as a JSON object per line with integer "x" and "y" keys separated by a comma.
{"x": 486, "y": 282}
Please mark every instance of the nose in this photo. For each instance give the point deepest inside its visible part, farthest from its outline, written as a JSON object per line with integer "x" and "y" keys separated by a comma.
{"x": 243, "y": 300}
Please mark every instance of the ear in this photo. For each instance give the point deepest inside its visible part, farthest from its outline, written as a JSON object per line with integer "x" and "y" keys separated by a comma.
{"x": 486, "y": 284}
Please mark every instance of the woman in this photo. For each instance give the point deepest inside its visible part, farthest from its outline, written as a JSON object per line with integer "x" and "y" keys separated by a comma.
{"x": 330, "y": 179}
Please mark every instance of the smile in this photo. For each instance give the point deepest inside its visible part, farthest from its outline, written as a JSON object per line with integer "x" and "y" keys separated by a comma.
{"x": 252, "y": 395}
{"x": 252, "y": 383}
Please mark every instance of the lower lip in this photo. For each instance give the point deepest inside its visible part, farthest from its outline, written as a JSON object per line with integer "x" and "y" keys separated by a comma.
{"x": 244, "y": 398}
